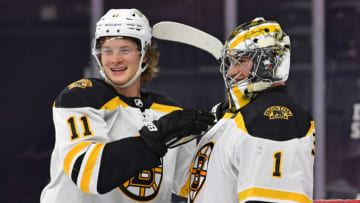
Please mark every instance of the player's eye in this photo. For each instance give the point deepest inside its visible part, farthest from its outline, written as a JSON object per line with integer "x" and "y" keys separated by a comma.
{"x": 106, "y": 51}
{"x": 124, "y": 51}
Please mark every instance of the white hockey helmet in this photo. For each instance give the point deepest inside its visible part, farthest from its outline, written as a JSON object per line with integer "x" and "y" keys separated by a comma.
{"x": 120, "y": 23}
{"x": 267, "y": 46}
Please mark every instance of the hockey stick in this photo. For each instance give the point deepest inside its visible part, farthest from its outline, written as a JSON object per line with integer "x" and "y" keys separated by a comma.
{"x": 177, "y": 32}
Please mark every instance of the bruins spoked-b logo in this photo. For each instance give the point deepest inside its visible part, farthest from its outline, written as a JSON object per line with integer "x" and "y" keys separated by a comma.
{"x": 145, "y": 186}
{"x": 199, "y": 170}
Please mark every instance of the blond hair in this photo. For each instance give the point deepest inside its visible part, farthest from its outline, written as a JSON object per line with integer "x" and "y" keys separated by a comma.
{"x": 153, "y": 59}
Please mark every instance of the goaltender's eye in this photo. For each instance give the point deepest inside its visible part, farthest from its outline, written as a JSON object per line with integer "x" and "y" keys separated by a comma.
{"x": 239, "y": 59}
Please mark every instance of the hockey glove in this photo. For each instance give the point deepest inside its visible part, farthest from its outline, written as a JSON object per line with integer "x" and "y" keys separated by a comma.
{"x": 175, "y": 128}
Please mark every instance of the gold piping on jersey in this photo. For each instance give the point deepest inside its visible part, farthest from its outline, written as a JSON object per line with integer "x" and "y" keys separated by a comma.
{"x": 72, "y": 153}
{"x": 273, "y": 194}
{"x": 311, "y": 129}
{"x": 184, "y": 191}
{"x": 227, "y": 115}
{"x": 113, "y": 104}
{"x": 89, "y": 167}
{"x": 255, "y": 32}
{"x": 240, "y": 123}
{"x": 164, "y": 108}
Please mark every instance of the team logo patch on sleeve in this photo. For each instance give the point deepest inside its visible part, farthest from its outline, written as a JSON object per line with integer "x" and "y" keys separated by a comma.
{"x": 145, "y": 186}
{"x": 199, "y": 170}
{"x": 83, "y": 83}
{"x": 278, "y": 112}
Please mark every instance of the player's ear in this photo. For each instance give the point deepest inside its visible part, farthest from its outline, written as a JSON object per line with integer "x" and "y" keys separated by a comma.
{"x": 146, "y": 57}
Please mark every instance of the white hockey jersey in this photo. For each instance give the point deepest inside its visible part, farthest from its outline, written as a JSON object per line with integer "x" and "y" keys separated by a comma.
{"x": 88, "y": 115}
{"x": 264, "y": 153}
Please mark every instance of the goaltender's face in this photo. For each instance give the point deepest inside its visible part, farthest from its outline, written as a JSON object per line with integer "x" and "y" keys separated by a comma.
{"x": 240, "y": 68}
{"x": 120, "y": 58}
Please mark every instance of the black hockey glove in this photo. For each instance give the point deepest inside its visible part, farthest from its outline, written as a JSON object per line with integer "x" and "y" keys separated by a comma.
{"x": 175, "y": 128}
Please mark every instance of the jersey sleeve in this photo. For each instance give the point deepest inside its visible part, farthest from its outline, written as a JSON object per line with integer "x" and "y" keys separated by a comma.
{"x": 87, "y": 156}
{"x": 182, "y": 169}
{"x": 270, "y": 170}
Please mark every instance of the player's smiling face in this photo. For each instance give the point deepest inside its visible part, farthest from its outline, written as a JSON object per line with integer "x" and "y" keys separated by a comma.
{"x": 120, "y": 58}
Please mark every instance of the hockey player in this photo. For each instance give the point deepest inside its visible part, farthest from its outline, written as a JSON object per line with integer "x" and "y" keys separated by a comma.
{"x": 114, "y": 141}
{"x": 262, "y": 149}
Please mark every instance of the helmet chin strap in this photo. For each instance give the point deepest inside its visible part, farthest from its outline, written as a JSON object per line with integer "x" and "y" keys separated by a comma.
{"x": 258, "y": 86}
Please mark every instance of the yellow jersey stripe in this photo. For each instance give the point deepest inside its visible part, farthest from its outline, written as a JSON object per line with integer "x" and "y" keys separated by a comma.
{"x": 273, "y": 194}
{"x": 241, "y": 98}
{"x": 89, "y": 167}
{"x": 311, "y": 129}
{"x": 72, "y": 153}
{"x": 255, "y": 32}
{"x": 227, "y": 115}
{"x": 184, "y": 191}
{"x": 113, "y": 104}
{"x": 164, "y": 108}
{"x": 239, "y": 120}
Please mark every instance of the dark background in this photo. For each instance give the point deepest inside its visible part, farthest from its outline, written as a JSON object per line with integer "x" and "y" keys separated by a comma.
{"x": 45, "y": 45}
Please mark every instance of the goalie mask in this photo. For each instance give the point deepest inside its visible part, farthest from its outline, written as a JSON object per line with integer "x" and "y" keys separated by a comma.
{"x": 118, "y": 23}
{"x": 262, "y": 50}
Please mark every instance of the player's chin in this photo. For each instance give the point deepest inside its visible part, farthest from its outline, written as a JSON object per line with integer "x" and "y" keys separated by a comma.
{"x": 118, "y": 81}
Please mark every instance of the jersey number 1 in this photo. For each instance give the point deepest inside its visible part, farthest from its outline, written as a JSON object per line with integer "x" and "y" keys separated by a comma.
{"x": 73, "y": 127}
{"x": 277, "y": 164}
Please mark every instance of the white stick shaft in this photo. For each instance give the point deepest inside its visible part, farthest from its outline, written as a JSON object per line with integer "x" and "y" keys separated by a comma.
{"x": 177, "y": 32}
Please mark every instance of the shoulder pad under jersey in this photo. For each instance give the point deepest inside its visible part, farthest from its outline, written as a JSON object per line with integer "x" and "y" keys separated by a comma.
{"x": 85, "y": 93}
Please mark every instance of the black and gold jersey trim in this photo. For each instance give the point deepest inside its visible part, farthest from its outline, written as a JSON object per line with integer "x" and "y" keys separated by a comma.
{"x": 98, "y": 94}
{"x": 82, "y": 94}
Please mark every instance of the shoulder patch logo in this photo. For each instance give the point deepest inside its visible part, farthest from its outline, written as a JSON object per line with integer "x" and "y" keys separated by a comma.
{"x": 278, "y": 112}
{"x": 199, "y": 170}
{"x": 83, "y": 83}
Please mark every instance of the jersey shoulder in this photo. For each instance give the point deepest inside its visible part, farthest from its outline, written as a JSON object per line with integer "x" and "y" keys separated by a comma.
{"x": 276, "y": 116}
{"x": 86, "y": 92}
{"x": 159, "y": 98}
